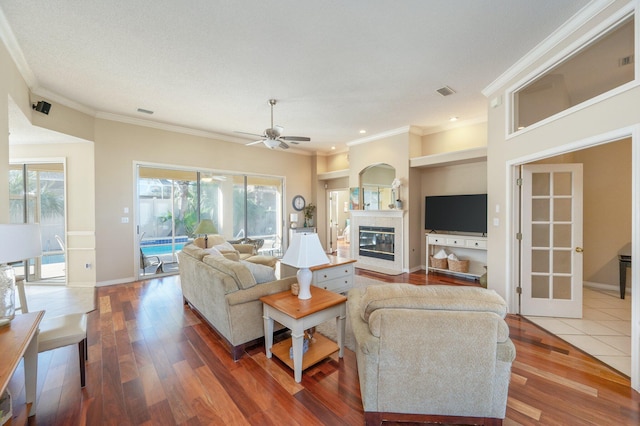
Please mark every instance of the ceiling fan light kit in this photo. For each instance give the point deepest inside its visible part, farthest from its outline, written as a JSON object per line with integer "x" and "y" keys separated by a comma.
{"x": 272, "y": 137}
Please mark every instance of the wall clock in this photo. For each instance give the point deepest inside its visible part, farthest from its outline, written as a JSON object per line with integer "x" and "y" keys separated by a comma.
{"x": 298, "y": 202}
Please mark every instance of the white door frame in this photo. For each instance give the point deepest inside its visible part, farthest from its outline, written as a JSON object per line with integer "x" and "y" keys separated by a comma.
{"x": 512, "y": 247}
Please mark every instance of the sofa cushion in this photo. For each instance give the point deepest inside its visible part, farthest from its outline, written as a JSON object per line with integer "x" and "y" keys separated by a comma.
{"x": 261, "y": 273}
{"x": 239, "y": 272}
{"x": 432, "y": 297}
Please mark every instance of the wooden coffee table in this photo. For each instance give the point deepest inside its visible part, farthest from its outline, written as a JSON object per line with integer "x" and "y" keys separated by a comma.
{"x": 300, "y": 315}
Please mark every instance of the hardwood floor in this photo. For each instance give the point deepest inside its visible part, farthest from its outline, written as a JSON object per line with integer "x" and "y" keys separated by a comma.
{"x": 152, "y": 361}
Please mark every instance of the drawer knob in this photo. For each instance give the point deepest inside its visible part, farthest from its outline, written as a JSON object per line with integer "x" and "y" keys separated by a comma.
{"x": 325, "y": 275}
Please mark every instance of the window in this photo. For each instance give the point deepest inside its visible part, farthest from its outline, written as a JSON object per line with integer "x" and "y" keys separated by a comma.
{"x": 36, "y": 195}
{"x": 601, "y": 65}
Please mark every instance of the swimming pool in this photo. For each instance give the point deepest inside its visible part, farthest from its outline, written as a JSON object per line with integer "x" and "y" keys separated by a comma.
{"x": 156, "y": 250}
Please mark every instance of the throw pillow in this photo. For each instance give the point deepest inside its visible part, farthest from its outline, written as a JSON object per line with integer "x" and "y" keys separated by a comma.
{"x": 213, "y": 251}
{"x": 261, "y": 273}
{"x": 225, "y": 246}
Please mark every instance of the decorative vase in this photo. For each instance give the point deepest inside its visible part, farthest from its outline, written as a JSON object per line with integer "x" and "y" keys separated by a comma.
{"x": 7, "y": 295}
{"x": 398, "y": 204}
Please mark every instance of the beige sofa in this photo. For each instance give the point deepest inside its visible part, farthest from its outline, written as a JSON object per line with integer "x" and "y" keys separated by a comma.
{"x": 225, "y": 293}
{"x": 440, "y": 352}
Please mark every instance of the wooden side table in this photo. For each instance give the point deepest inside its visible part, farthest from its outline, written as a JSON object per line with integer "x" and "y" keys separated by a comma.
{"x": 20, "y": 340}
{"x": 300, "y": 315}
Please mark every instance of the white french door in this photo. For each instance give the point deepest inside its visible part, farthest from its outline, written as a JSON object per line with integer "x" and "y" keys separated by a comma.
{"x": 551, "y": 256}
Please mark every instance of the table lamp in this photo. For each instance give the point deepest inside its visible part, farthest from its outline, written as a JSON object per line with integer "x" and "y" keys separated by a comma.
{"x": 304, "y": 252}
{"x": 17, "y": 242}
{"x": 206, "y": 227}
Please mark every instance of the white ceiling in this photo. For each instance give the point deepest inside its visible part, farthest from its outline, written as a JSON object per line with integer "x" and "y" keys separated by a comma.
{"x": 335, "y": 67}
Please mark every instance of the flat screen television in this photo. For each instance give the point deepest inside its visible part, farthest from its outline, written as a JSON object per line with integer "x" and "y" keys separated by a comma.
{"x": 456, "y": 213}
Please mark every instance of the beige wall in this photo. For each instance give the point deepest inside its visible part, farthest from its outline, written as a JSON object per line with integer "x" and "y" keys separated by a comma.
{"x": 460, "y": 138}
{"x": 118, "y": 146}
{"x": 394, "y": 150}
{"x": 13, "y": 86}
{"x": 601, "y": 121}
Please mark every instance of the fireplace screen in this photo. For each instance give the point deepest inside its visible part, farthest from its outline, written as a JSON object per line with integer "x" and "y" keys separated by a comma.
{"x": 377, "y": 242}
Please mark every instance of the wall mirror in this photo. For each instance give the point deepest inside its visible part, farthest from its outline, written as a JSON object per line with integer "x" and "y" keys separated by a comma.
{"x": 375, "y": 181}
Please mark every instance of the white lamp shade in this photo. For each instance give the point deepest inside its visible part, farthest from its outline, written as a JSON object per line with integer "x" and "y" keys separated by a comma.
{"x": 305, "y": 251}
{"x": 19, "y": 242}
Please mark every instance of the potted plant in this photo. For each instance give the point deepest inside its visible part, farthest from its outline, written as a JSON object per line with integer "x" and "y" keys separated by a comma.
{"x": 309, "y": 210}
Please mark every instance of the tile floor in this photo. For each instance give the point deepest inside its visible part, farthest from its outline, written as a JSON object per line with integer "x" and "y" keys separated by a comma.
{"x": 604, "y": 330}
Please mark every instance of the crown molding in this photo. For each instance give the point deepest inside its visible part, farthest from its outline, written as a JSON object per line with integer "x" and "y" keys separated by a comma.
{"x": 53, "y": 97}
{"x": 583, "y": 16}
{"x": 10, "y": 41}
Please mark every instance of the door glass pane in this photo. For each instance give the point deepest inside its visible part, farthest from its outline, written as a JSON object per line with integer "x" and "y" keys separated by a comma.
{"x": 540, "y": 261}
{"x": 540, "y": 208}
{"x": 167, "y": 215}
{"x": 562, "y": 261}
{"x": 562, "y": 235}
{"x": 562, "y": 183}
{"x": 540, "y": 235}
{"x": 540, "y": 286}
{"x": 541, "y": 184}
{"x": 264, "y": 211}
{"x": 561, "y": 287}
{"x": 562, "y": 209}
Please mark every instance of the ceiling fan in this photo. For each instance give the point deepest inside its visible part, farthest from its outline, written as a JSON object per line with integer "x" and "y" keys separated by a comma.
{"x": 272, "y": 137}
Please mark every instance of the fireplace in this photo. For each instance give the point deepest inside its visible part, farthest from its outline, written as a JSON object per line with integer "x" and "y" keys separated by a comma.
{"x": 377, "y": 242}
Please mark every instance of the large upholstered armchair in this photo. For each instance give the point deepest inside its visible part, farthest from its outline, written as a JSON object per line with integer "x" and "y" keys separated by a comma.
{"x": 431, "y": 353}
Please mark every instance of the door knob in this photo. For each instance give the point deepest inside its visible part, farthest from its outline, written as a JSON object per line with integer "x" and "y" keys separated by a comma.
{"x": 579, "y": 249}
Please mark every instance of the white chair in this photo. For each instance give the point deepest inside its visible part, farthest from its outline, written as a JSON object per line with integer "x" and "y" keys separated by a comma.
{"x": 57, "y": 332}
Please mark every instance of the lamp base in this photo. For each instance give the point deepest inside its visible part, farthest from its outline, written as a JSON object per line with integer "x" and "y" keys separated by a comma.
{"x": 7, "y": 294}
{"x": 304, "y": 276}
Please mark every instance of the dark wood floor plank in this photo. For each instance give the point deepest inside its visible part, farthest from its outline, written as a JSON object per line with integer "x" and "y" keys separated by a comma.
{"x": 154, "y": 361}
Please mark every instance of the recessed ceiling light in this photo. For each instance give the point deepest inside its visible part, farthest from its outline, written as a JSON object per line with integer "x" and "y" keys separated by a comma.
{"x": 362, "y": 132}
{"x": 145, "y": 111}
{"x": 453, "y": 119}
{"x": 333, "y": 147}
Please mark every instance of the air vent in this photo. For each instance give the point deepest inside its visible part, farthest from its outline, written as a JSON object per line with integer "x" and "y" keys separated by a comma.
{"x": 446, "y": 91}
{"x": 627, "y": 60}
{"x": 145, "y": 111}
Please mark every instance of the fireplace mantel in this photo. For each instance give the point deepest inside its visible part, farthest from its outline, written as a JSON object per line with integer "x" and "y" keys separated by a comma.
{"x": 378, "y": 218}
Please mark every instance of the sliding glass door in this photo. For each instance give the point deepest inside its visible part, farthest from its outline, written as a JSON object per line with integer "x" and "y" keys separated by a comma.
{"x": 171, "y": 203}
{"x": 37, "y": 195}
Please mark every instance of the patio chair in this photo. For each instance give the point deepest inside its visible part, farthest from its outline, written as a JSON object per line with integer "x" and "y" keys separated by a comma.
{"x": 150, "y": 263}
{"x": 59, "y": 331}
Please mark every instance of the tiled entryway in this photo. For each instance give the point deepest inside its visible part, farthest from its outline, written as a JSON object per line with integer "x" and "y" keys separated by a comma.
{"x": 604, "y": 330}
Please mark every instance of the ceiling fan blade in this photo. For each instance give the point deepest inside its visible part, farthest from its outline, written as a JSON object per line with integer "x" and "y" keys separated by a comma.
{"x": 295, "y": 138}
{"x": 284, "y": 145}
{"x": 254, "y": 143}
{"x": 252, "y": 134}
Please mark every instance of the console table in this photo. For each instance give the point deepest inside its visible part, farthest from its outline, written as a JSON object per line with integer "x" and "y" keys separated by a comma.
{"x": 19, "y": 340}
